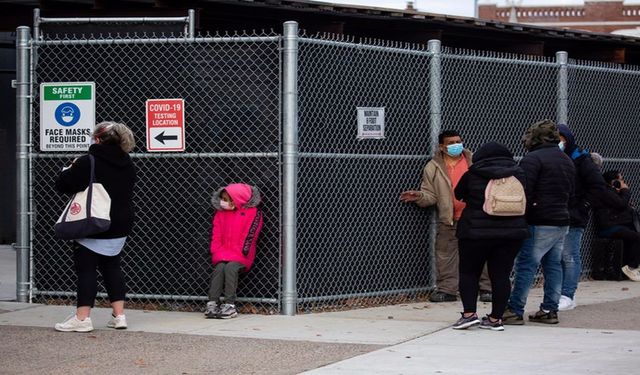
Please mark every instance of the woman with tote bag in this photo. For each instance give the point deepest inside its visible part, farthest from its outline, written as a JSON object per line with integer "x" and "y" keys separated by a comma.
{"x": 113, "y": 169}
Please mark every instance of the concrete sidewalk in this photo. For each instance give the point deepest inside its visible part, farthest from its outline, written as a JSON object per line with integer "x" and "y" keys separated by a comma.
{"x": 601, "y": 336}
{"x": 7, "y": 273}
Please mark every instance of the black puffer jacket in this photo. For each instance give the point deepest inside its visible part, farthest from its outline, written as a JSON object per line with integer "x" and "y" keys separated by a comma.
{"x": 613, "y": 209}
{"x": 114, "y": 170}
{"x": 589, "y": 185}
{"x": 491, "y": 161}
{"x": 550, "y": 185}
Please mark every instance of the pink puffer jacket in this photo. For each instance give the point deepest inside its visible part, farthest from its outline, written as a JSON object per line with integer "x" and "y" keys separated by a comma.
{"x": 235, "y": 233}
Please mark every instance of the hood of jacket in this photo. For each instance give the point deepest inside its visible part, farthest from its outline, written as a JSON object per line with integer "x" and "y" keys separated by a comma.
{"x": 242, "y": 195}
{"x": 494, "y": 160}
{"x": 544, "y": 131}
{"x": 111, "y": 154}
{"x": 571, "y": 148}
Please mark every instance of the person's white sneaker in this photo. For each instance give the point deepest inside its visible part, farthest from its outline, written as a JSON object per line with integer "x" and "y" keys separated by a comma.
{"x": 117, "y": 322}
{"x": 72, "y": 324}
{"x": 566, "y": 303}
{"x": 632, "y": 273}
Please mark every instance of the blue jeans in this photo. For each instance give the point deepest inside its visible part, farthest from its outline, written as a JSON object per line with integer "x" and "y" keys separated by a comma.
{"x": 544, "y": 247}
{"x": 571, "y": 261}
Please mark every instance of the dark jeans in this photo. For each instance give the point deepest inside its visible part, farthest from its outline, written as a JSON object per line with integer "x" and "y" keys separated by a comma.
{"x": 631, "y": 240}
{"x": 225, "y": 275}
{"x": 499, "y": 256}
{"x": 87, "y": 263}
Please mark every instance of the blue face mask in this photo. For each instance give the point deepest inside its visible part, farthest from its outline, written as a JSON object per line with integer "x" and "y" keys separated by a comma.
{"x": 561, "y": 145}
{"x": 455, "y": 149}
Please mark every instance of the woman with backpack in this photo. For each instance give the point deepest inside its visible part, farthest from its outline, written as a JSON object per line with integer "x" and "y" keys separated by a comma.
{"x": 491, "y": 229}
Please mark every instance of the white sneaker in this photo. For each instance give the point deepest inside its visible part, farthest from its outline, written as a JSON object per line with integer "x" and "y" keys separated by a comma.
{"x": 117, "y": 322}
{"x": 632, "y": 273}
{"x": 566, "y": 303}
{"x": 73, "y": 324}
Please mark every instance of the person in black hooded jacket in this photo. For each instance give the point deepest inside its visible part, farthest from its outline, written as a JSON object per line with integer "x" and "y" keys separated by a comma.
{"x": 115, "y": 171}
{"x": 550, "y": 185}
{"x": 487, "y": 238}
{"x": 614, "y": 217}
{"x": 589, "y": 184}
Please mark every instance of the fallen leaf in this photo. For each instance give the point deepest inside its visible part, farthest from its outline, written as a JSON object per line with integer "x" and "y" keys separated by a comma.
{"x": 140, "y": 362}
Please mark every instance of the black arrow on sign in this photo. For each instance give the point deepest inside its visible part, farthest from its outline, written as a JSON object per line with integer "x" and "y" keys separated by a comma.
{"x": 161, "y": 137}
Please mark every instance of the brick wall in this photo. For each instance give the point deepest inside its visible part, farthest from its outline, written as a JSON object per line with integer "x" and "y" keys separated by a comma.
{"x": 570, "y": 17}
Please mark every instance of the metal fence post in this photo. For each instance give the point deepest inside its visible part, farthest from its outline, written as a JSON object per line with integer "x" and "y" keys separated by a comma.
{"x": 191, "y": 25}
{"x": 435, "y": 94}
{"x": 435, "y": 122}
{"x": 562, "y": 114}
{"x": 289, "y": 167}
{"x": 23, "y": 89}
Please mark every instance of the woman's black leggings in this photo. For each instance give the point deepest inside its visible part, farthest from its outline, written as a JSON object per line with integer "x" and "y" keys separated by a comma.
{"x": 87, "y": 263}
{"x": 499, "y": 256}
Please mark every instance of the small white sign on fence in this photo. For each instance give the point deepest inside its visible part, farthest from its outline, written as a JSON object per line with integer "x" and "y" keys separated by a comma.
{"x": 370, "y": 123}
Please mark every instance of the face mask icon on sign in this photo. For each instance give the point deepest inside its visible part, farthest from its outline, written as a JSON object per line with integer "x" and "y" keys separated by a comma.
{"x": 67, "y": 114}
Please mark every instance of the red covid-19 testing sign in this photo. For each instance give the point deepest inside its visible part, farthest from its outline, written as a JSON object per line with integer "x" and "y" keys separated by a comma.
{"x": 165, "y": 125}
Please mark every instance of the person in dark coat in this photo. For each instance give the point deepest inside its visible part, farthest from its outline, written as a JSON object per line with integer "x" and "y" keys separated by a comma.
{"x": 485, "y": 238}
{"x": 613, "y": 215}
{"x": 115, "y": 171}
{"x": 550, "y": 185}
{"x": 588, "y": 184}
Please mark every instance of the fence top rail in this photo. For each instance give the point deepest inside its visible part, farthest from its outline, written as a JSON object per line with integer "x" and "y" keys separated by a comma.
{"x": 115, "y": 20}
{"x": 622, "y": 69}
{"x": 159, "y": 40}
{"x": 502, "y": 60}
{"x": 367, "y": 47}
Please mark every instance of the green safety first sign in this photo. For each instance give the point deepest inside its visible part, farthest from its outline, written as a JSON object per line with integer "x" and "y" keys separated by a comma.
{"x": 67, "y": 115}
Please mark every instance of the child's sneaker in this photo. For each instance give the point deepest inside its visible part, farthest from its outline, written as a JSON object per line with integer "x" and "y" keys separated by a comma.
{"x": 117, "y": 322}
{"x": 464, "y": 323}
{"x": 213, "y": 310}
{"x": 227, "y": 311}
{"x": 73, "y": 324}
{"x": 494, "y": 326}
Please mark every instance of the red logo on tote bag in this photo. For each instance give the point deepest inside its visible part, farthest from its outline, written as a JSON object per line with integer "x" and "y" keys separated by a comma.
{"x": 75, "y": 208}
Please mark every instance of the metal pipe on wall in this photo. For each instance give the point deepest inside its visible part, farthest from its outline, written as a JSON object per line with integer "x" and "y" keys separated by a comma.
{"x": 289, "y": 167}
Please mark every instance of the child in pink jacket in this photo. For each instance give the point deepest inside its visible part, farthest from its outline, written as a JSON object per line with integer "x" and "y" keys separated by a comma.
{"x": 236, "y": 225}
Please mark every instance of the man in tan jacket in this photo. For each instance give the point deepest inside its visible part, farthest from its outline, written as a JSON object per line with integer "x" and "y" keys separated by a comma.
{"x": 439, "y": 178}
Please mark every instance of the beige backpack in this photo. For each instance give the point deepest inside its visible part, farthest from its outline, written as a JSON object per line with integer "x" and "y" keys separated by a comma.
{"x": 504, "y": 197}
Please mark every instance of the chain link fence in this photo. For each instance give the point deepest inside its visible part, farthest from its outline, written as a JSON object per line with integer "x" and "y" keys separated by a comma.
{"x": 356, "y": 244}
{"x": 604, "y": 113}
{"x": 231, "y": 89}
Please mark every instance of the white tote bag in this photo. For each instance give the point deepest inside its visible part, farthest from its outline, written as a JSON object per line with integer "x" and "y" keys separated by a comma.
{"x": 87, "y": 212}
